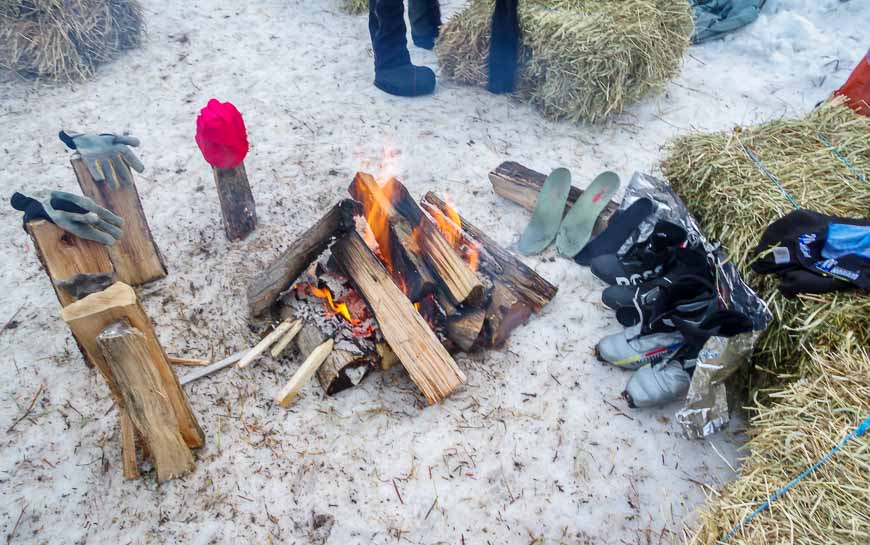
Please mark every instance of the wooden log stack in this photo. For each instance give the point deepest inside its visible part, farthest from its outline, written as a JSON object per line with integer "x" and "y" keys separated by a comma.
{"x": 415, "y": 264}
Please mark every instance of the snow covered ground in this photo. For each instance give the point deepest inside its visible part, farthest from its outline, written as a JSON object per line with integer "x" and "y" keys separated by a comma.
{"x": 536, "y": 448}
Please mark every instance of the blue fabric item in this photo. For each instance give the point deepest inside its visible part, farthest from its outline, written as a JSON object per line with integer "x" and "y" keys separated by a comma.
{"x": 845, "y": 239}
{"x": 715, "y": 18}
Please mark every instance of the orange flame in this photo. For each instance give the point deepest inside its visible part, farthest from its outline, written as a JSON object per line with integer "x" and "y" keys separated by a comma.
{"x": 339, "y": 308}
{"x": 450, "y": 225}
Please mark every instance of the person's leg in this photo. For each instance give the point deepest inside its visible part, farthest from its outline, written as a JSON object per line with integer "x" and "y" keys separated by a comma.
{"x": 394, "y": 72}
{"x": 425, "y": 16}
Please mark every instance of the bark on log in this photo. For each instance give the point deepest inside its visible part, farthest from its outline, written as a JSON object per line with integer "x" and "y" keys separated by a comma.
{"x": 517, "y": 292}
{"x": 90, "y": 316}
{"x": 136, "y": 257}
{"x": 522, "y": 185}
{"x": 395, "y": 236}
{"x": 238, "y": 208}
{"x": 146, "y": 397}
{"x": 267, "y": 286}
{"x": 82, "y": 285}
{"x": 64, "y": 255}
{"x": 428, "y": 363}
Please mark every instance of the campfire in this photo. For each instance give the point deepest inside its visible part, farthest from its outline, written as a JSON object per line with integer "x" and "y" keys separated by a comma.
{"x": 388, "y": 279}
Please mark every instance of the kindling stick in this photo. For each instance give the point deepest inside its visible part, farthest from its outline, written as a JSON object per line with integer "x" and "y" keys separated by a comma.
{"x": 267, "y": 341}
{"x": 213, "y": 368}
{"x": 314, "y": 360}
{"x": 286, "y": 339}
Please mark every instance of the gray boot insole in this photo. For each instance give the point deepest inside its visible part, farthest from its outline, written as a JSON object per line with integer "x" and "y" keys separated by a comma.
{"x": 547, "y": 216}
{"x": 576, "y": 229}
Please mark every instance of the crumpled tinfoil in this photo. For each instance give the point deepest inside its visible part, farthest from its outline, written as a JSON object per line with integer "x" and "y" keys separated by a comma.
{"x": 706, "y": 408}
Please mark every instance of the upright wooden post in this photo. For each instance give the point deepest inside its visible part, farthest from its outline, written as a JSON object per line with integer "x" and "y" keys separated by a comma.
{"x": 88, "y": 318}
{"x": 136, "y": 257}
{"x": 237, "y": 202}
{"x": 64, "y": 255}
{"x": 145, "y": 398}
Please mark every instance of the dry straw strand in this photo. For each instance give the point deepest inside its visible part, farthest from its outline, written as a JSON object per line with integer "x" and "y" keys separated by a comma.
{"x": 799, "y": 427}
{"x": 355, "y": 7}
{"x": 580, "y": 60}
{"x": 66, "y": 39}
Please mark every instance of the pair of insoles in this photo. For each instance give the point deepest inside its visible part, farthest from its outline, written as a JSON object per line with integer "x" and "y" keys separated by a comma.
{"x": 573, "y": 231}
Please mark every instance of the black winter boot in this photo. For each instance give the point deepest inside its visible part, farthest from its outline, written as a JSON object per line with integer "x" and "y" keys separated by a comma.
{"x": 425, "y": 16}
{"x": 394, "y": 73}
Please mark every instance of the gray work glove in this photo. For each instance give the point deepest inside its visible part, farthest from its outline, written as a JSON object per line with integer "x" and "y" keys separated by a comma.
{"x": 73, "y": 213}
{"x": 107, "y": 157}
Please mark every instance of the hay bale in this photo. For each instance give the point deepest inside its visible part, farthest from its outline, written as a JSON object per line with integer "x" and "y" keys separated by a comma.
{"x": 355, "y": 7}
{"x": 734, "y": 202}
{"x": 66, "y": 39}
{"x": 803, "y": 423}
{"x": 580, "y": 60}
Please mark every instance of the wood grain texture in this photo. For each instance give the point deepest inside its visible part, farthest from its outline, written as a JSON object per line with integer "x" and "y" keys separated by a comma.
{"x": 238, "y": 208}
{"x": 64, "y": 255}
{"x": 88, "y": 318}
{"x": 136, "y": 258}
{"x": 428, "y": 363}
{"x": 146, "y": 398}
{"x": 129, "y": 462}
{"x": 342, "y": 369}
{"x": 522, "y": 185}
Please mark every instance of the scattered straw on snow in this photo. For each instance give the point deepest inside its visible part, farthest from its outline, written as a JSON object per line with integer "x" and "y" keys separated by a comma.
{"x": 735, "y": 202}
{"x": 66, "y": 39}
{"x": 355, "y": 7}
{"x": 803, "y": 422}
{"x": 580, "y": 60}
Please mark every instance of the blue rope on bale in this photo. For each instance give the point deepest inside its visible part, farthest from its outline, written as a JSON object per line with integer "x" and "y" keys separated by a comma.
{"x": 857, "y": 432}
{"x": 763, "y": 168}
{"x": 843, "y": 158}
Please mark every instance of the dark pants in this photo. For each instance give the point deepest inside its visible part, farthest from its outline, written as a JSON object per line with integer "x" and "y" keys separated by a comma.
{"x": 387, "y": 28}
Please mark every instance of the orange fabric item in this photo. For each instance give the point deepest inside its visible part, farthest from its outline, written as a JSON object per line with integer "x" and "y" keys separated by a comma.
{"x": 857, "y": 87}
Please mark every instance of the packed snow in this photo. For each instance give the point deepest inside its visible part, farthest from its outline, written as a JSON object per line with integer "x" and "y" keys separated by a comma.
{"x": 537, "y": 447}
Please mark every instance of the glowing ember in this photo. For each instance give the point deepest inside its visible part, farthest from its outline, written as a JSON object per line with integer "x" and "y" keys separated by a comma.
{"x": 340, "y": 308}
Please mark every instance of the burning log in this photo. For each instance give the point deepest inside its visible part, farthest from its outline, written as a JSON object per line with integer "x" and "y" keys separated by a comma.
{"x": 136, "y": 258}
{"x": 517, "y": 292}
{"x": 522, "y": 185}
{"x": 428, "y": 363}
{"x": 454, "y": 274}
{"x": 267, "y": 287}
{"x": 395, "y": 238}
{"x": 419, "y": 239}
{"x": 88, "y": 318}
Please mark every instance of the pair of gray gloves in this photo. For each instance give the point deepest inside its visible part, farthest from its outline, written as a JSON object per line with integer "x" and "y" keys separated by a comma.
{"x": 108, "y": 159}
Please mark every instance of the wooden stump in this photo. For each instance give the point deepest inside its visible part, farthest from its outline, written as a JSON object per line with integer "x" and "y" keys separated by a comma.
{"x": 136, "y": 258}
{"x": 237, "y": 202}
{"x": 146, "y": 400}
{"x": 90, "y": 316}
{"x": 428, "y": 363}
{"x": 64, "y": 255}
{"x": 522, "y": 185}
